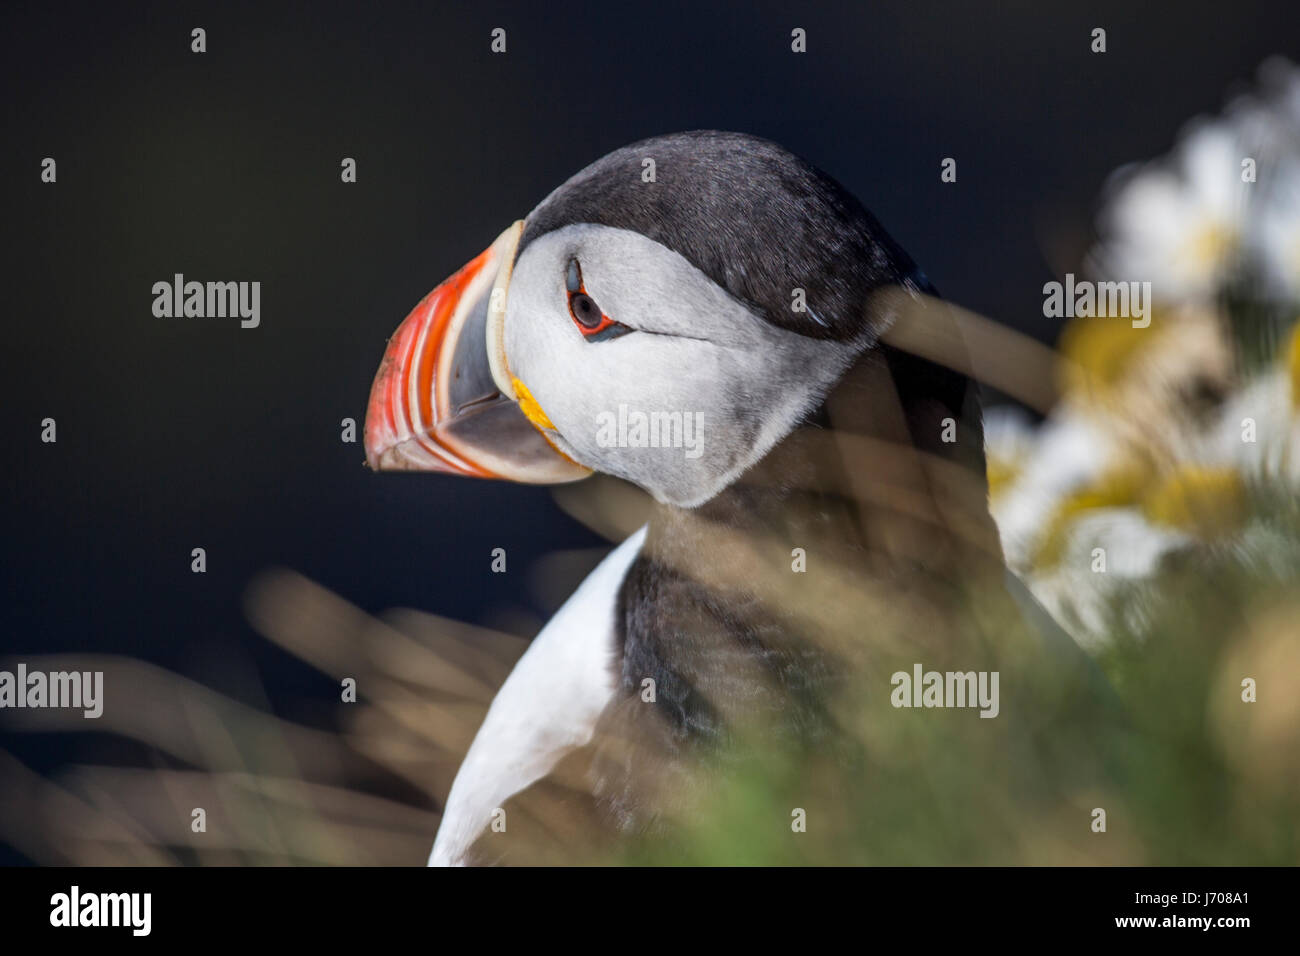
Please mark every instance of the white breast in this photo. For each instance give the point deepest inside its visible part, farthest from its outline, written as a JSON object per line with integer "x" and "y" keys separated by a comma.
{"x": 548, "y": 705}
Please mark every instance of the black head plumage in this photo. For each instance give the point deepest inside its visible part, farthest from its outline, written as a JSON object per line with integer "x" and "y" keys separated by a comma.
{"x": 756, "y": 219}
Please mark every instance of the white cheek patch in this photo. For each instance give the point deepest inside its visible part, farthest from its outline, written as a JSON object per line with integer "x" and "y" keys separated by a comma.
{"x": 682, "y": 406}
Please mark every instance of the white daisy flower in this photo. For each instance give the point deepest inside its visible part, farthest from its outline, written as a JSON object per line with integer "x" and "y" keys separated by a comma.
{"x": 1106, "y": 550}
{"x": 1258, "y": 429}
{"x": 1009, "y": 440}
{"x": 1068, "y": 451}
{"x": 1178, "y": 226}
{"x": 1098, "y": 544}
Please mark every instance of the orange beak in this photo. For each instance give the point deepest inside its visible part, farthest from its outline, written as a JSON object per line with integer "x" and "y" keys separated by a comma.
{"x": 435, "y": 406}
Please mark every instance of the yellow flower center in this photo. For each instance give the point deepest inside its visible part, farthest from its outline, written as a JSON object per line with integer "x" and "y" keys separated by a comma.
{"x": 1208, "y": 502}
{"x": 1101, "y": 351}
{"x": 1210, "y": 245}
{"x": 1001, "y": 472}
{"x": 1117, "y": 488}
{"x": 1292, "y": 358}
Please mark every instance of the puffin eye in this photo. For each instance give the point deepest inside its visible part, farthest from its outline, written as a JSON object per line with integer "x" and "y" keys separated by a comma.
{"x": 585, "y": 311}
{"x": 594, "y": 324}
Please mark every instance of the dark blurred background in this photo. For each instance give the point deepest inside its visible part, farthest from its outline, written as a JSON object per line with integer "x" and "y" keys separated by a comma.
{"x": 182, "y": 433}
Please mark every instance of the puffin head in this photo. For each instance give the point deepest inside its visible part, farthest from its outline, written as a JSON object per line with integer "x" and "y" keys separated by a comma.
{"x": 666, "y": 316}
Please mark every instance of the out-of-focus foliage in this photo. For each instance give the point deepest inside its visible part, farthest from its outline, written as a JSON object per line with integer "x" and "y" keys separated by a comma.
{"x": 1184, "y": 436}
{"x": 1187, "y": 772}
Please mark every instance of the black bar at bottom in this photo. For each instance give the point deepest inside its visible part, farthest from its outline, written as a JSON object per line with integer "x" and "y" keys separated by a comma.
{"x": 437, "y": 907}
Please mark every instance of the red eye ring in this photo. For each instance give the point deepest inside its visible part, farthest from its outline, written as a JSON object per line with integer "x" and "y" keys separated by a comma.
{"x": 583, "y": 309}
{"x": 594, "y": 324}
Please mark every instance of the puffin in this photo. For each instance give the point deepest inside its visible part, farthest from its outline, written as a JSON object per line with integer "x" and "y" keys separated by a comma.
{"x": 743, "y": 291}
